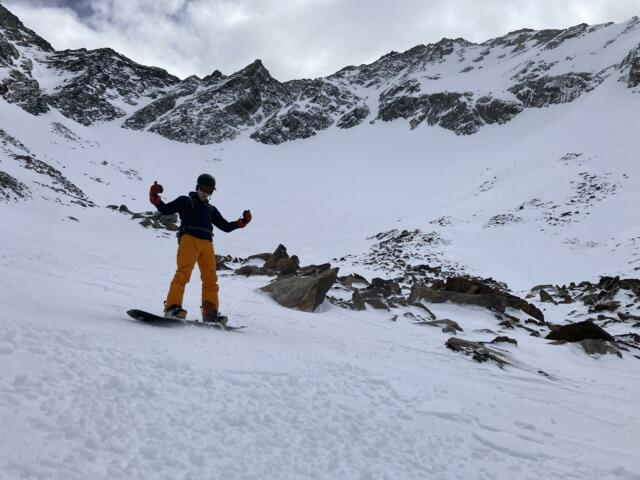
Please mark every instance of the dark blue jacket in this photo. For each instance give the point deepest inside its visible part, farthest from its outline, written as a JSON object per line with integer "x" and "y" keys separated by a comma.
{"x": 196, "y": 216}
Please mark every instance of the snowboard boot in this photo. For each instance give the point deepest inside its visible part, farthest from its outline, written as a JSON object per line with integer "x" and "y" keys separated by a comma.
{"x": 174, "y": 311}
{"x": 210, "y": 314}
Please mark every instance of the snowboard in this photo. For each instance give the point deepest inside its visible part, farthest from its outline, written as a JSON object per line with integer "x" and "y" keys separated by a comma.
{"x": 152, "y": 319}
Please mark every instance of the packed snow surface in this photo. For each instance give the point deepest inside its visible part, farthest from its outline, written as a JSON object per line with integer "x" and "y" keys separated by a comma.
{"x": 85, "y": 392}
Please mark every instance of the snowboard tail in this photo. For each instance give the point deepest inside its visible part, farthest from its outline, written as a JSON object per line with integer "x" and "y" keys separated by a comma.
{"x": 153, "y": 319}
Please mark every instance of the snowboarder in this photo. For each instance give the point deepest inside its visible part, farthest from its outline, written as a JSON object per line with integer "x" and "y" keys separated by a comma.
{"x": 195, "y": 245}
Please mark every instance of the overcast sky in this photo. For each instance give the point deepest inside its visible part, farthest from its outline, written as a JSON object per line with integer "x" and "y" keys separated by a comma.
{"x": 294, "y": 38}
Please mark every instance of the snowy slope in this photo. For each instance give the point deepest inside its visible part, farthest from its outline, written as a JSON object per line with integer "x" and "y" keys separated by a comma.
{"x": 87, "y": 393}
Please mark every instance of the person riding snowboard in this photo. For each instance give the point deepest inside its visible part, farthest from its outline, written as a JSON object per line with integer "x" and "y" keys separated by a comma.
{"x": 195, "y": 245}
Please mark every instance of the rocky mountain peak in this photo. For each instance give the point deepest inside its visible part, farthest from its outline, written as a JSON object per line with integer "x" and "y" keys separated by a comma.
{"x": 453, "y": 83}
{"x": 213, "y": 78}
{"x": 257, "y": 72}
{"x": 13, "y": 30}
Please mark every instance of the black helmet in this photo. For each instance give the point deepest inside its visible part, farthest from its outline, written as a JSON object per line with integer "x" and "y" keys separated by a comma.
{"x": 207, "y": 181}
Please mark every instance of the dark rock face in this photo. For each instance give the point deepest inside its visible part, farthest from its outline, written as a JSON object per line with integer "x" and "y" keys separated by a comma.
{"x": 100, "y": 78}
{"x": 25, "y": 91}
{"x": 450, "y": 110}
{"x": 146, "y": 115}
{"x": 95, "y": 81}
{"x": 354, "y": 117}
{"x": 545, "y": 91}
{"x": 577, "y": 332}
{"x": 13, "y": 30}
{"x": 292, "y": 125}
{"x": 56, "y": 181}
{"x": 303, "y": 293}
{"x": 565, "y": 35}
{"x": 633, "y": 62}
{"x": 314, "y": 108}
{"x": 392, "y": 64}
{"x": 11, "y": 188}
{"x": 220, "y": 112}
{"x": 8, "y": 53}
{"x": 494, "y": 110}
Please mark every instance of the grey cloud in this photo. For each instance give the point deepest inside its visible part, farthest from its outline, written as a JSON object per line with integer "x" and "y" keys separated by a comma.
{"x": 297, "y": 38}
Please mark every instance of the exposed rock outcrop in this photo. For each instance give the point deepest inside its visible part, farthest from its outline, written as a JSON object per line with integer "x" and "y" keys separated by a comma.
{"x": 302, "y": 293}
{"x": 548, "y": 90}
{"x": 477, "y": 351}
{"x": 632, "y": 62}
{"x": 465, "y": 291}
{"x": 101, "y": 80}
{"x": 12, "y": 189}
{"x": 577, "y": 332}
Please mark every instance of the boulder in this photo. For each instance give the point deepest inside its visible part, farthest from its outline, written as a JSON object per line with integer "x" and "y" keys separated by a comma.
{"x": 279, "y": 254}
{"x": 303, "y": 293}
{"x": 357, "y": 300}
{"x": 447, "y": 326}
{"x": 249, "y": 270}
{"x": 422, "y": 292}
{"x": 504, "y": 339}
{"x": 576, "y": 332}
{"x": 476, "y": 350}
{"x": 313, "y": 269}
{"x": 545, "y": 297}
{"x": 377, "y": 303}
{"x": 260, "y": 256}
{"x": 465, "y": 291}
{"x": 598, "y": 347}
{"x": 610, "y": 306}
{"x": 352, "y": 279}
{"x": 277, "y": 263}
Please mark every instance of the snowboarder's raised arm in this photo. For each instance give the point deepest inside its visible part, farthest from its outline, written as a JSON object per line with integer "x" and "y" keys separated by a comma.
{"x": 165, "y": 208}
{"x": 175, "y": 206}
{"x": 219, "y": 221}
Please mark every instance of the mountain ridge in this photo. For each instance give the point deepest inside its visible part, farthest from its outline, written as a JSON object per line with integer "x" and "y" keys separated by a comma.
{"x": 455, "y": 84}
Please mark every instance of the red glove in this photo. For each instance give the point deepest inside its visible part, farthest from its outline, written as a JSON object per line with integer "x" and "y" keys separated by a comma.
{"x": 246, "y": 218}
{"x": 153, "y": 193}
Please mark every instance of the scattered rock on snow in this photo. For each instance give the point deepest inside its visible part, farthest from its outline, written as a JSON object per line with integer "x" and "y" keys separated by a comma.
{"x": 576, "y": 332}
{"x": 303, "y": 293}
{"x": 477, "y": 350}
{"x": 447, "y": 326}
{"x": 599, "y": 347}
{"x": 465, "y": 291}
{"x": 504, "y": 339}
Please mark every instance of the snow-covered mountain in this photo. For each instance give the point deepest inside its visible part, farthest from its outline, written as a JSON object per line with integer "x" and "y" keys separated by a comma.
{"x": 475, "y": 198}
{"x": 456, "y": 84}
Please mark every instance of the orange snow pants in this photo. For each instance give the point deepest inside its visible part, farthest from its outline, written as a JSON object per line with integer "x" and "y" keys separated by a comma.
{"x": 194, "y": 250}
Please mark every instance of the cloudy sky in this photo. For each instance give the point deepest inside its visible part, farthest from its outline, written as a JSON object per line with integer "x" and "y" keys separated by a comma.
{"x": 294, "y": 38}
